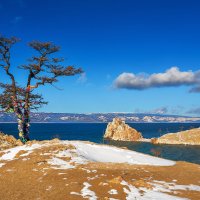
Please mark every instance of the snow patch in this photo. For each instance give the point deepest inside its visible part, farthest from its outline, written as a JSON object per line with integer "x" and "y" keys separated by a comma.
{"x": 2, "y": 164}
{"x": 96, "y": 153}
{"x": 157, "y": 192}
{"x": 71, "y": 154}
{"x": 61, "y": 164}
{"x": 92, "y": 178}
{"x": 87, "y": 170}
{"x": 113, "y": 191}
{"x": 11, "y": 153}
{"x": 169, "y": 187}
{"x": 146, "y": 194}
{"x": 65, "y": 153}
{"x": 86, "y": 192}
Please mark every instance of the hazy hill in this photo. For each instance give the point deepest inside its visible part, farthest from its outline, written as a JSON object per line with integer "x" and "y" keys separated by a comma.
{"x": 98, "y": 117}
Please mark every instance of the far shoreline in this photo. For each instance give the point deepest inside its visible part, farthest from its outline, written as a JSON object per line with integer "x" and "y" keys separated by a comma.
{"x": 104, "y": 122}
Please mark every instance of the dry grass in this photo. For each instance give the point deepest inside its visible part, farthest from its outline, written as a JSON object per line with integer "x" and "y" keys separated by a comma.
{"x": 31, "y": 177}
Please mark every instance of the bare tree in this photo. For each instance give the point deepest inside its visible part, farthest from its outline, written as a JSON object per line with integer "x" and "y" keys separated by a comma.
{"x": 42, "y": 69}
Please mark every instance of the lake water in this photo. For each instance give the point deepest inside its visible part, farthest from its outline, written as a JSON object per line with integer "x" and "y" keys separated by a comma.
{"x": 94, "y": 132}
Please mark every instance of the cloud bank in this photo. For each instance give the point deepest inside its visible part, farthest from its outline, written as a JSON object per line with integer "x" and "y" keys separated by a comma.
{"x": 162, "y": 110}
{"x": 172, "y": 77}
{"x": 195, "y": 111}
{"x": 174, "y": 110}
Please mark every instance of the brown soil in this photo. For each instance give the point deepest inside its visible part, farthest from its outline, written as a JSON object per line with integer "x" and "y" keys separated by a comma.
{"x": 31, "y": 177}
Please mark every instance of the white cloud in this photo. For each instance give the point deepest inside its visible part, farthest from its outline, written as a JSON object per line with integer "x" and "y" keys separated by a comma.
{"x": 174, "y": 110}
{"x": 171, "y": 77}
{"x": 195, "y": 89}
{"x": 82, "y": 78}
{"x": 195, "y": 111}
{"x": 162, "y": 110}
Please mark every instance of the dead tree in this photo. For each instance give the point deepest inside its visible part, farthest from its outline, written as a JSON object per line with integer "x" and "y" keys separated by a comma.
{"x": 42, "y": 69}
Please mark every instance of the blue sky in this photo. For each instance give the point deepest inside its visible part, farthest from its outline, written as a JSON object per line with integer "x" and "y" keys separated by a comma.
{"x": 108, "y": 38}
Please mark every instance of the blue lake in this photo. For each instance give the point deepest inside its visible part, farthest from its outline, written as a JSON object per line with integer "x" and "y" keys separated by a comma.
{"x": 94, "y": 132}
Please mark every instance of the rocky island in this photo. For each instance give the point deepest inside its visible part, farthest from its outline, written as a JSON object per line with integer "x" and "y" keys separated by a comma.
{"x": 189, "y": 137}
{"x": 118, "y": 130}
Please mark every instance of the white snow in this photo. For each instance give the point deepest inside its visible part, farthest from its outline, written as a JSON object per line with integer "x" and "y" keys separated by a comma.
{"x": 87, "y": 170}
{"x": 145, "y": 194}
{"x": 171, "y": 186}
{"x": 71, "y": 154}
{"x": 2, "y": 164}
{"x": 78, "y": 160}
{"x": 85, "y": 152}
{"x": 86, "y": 192}
{"x": 92, "y": 178}
{"x": 74, "y": 193}
{"x": 103, "y": 153}
{"x": 157, "y": 192}
{"x": 61, "y": 164}
{"x": 112, "y": 191}
{"x": 66, "y": 153}
{"x": 11, "y": 153}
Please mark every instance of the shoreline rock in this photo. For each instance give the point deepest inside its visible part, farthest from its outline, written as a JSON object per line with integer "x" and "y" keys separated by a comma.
{"x": 118, "y": 130}
{"x": 188, "y": 137}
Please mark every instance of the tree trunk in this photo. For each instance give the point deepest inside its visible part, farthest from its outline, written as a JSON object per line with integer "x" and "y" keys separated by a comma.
{"x": 23, "y": 127}
{"x": 26, "y": 125}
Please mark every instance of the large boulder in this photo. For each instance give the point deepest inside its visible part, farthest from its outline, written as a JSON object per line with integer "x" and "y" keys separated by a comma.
{"x": 118, "y": 130}
{"x": 191, "y": 137}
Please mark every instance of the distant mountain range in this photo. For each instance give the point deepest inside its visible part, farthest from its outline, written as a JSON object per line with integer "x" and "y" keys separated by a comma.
{"x": 99, "y": 117}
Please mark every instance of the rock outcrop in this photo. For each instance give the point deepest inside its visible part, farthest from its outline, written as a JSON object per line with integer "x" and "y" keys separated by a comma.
{"x": 191, "y": 137}
{"x": 8, "y": 141}
{"x": 118, "y": 130}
